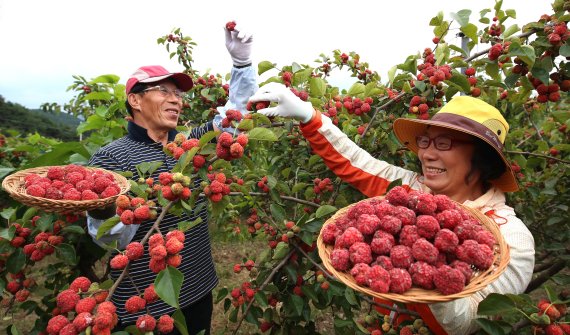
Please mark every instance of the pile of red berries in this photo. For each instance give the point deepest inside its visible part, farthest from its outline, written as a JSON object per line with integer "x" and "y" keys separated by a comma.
{"x": 409, "y": 239}
{"x": 72, "y": 182}
{"x": 546, "y": 92}
{"x": 231, "y": 115}
{"x": 356, "y": 106}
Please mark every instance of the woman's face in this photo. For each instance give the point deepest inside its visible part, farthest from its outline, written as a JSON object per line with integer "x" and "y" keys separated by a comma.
{"x": 445, "y": 172}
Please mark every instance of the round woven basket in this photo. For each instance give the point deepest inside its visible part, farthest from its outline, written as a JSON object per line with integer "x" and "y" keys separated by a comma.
{"x": 479, "y": 280}
{"x": 14, "y": 184}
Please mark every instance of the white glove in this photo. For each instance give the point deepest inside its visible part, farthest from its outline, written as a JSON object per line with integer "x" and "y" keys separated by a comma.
{"x": 239, "y": 44}
{"x": 290, "y": 105}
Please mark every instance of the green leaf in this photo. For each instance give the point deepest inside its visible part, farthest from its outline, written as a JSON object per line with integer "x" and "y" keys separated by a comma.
{"x": 207, "y": 137}
{"x": 542, "y": 68}
{"x": 436, "y": 20}
{"x": 281, "y": 250}
{"x": 59, "y": 155}
{"x": 525, "y": 52}
{"x": 7, "y": 213}
{"x": 565, "y": 50}
{"x": 392, "y": 74}
{"x": 460, "y": 81}
{"x": 218, "y": 207}
{"x": 8, "y": 233}
{"x": 167, "y": 285}
{"x": 356, "y": 89}
{"x": 262, "y": 134}
{"x": 73, "y": 229}
{"x": 264, "y": 66}
{"x": 317, "y": 87}
{"x": 470, "y": 30}
{"x": 185, "y": 225}
{"x": 4, "y": 171}
{"x": 278, "y": 213}
{"x": 106, "y": 96}
{"x": 16, "y": 261}
{"x": 107, "y": 225}
{"x": 350, "y": 297}
{"x": 495, "y": 304}
{"x": 511, "y": 30}
{"x": 490, "y": 327}
{"x": 298, "y": 304}
{"x": 261, "y": 299}
{"x": 462, "y": 17}
{"x": 299, "y": 187}
{"x": 180, "y": 322}
{"x": 325, "y": 210}
{"x": 66, "y": 253}
{"x": 105, "y": 79}
{"x": 44, "y": 222}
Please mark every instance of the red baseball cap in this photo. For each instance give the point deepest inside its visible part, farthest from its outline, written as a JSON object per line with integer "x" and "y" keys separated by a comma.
{"x": 154, "y": 73}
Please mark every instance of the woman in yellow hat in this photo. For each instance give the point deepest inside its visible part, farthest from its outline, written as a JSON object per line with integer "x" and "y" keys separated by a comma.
{"x": 461, "y": 153}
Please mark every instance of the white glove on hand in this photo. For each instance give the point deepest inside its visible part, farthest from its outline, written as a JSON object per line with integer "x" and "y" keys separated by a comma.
{"x": 290, "y": 105}
{"x": 239, "y": 44}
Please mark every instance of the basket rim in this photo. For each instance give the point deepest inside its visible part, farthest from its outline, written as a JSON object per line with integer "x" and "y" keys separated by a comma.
{"x": 13, "y": 185}
{"x": 418, "y": 295}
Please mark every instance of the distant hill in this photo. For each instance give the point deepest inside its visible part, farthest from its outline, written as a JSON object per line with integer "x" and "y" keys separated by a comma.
{"x": 61, "y": 126}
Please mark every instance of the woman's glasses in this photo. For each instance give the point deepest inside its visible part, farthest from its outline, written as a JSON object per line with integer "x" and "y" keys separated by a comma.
{"x": 441, "y": 143}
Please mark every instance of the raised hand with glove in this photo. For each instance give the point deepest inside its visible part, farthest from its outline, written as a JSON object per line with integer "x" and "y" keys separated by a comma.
{"x": 289, "y": 105}
{"x": 238, "y": 43}
{"x": 243, "y": 76}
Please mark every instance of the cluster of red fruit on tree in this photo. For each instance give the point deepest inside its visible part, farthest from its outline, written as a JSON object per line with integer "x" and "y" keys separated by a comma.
{"x": 180, "y": 145}
{"x": 378, "y": 324}
{"x": 218, "y": 187}
{"x": 470, "y": 73}
{"x": 231, "y": 115}
{"x": 242, "y": 294}
{"x": 409, "y": 238}
{"x": 19, "y": 286}
{"x": 356, "y": 106}
{"x": 173, "y": 186}
{"x": 162, "y": 252}
{"x": 557, "y": 33}
{"x": 135, "y": 210}
{"x": 495, "y": 29}
{"x": 553, "y": 324}
{"x": 229, "y": 148}
{"x": 287, "y": 76}
{"x": 550, "y": 92}
{"x": 262, "y": 184}
{"x": 71, "y": 182}
{"x": 84, "y": 308}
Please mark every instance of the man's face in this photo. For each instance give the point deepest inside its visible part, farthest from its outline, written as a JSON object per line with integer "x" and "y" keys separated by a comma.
{"x": 158, "y": 107}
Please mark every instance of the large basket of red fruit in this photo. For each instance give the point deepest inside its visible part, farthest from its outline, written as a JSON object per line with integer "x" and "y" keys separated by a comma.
{"x": 66, "y": 189}
{"x": 413, "y": 247}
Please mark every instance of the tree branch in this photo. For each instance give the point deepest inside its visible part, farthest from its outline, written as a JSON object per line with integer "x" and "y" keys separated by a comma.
{"x": 537, "y": 155}
{"x": 544, "y": 276}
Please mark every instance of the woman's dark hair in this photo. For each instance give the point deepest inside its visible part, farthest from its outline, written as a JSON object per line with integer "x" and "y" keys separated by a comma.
{"x": 487, "y": 161}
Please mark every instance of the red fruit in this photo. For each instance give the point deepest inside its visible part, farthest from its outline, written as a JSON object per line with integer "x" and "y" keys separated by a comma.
{"x": 155, "y": 240}
{"x": 448, "y": 280}
{"x": 198, "y": 161}
{"x": 475, "y": 91}
{"x": 134, "y": 251}
{"x": 165, "y": 324}
{"x": 135, "y": 304}
{"x": 242, "y": 139}
{"x": 378, "y": 279}
{"x": 55, "y": 173}
{"x": 553, "y": 151}
{"x": 230, "y": 26}
{"x": 400, "y": 280}
{"x": 128, "y": 217}
{"x": 141, "y": 213}
{"x": 89, "y": 195}
{"x": 435, "y": 40}
{"x": 554, "y": 96}
{"x": 225, "y": 139}
{"x": 146, "y": 323}
{"x": 82, "y": 321}
{"x": 173, "y": 246}
{"x": 553, "y": 330}
{"x": 237, "y": 268}
{"x": 36, "y": 190}
{"x": 401, "y": 256}
{"x": 85, "y": 305}
{"x": 150, "y": 295}
{"x": 22, "y": 295}
{"x": 119, "y": 262}
{"x": 177, "y": 234}
{"x": 66, "y": 300}
{"x": 470, "y": 71}
{"x": 236, "y": 150}
{"x": 80, "y": 284}
{"x": 56, "y": 324}
{"x": 249, "y": 264}
{"x": 158, "y": 252}
{"x": 554, "y": 39}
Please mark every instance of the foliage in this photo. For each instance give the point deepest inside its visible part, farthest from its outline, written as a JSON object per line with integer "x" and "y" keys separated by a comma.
{"x": 276, "y": 180}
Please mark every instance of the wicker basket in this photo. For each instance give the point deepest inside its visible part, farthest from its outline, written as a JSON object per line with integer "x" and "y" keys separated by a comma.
{"x": 479, "y": 280}
{"x": 14, "y": 184}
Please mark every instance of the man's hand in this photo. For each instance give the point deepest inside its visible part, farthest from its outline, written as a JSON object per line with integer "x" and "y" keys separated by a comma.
{"x": 289, "y": 105}
{"x": 238, "y": 43}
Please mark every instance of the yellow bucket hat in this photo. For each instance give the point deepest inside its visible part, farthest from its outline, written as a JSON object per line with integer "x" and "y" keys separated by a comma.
{"x": 468, "y": 115}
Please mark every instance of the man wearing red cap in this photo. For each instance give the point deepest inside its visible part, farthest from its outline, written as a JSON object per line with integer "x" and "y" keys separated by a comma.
{"x": 154, "y": 103}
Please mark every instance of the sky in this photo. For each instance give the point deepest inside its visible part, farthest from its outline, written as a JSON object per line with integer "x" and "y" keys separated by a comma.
{"x": 43, "y": 43}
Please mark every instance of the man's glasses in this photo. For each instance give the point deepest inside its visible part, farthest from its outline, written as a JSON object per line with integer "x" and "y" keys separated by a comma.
{"x": 441, "y": 143}
{"x": 164, "y": 91}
